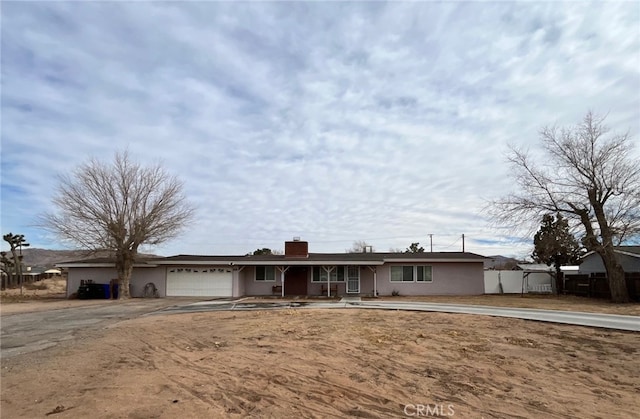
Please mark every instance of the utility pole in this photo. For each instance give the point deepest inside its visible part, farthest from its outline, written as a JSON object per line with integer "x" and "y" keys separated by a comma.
{"x": 431, "y": 242}
{"x": 463, "y": 243}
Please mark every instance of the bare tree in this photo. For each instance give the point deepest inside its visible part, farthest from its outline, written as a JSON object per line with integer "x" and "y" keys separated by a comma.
{"x": 118, "y": 206}
{"x": 589, "y": 177}
{"x": 360, "y": 246}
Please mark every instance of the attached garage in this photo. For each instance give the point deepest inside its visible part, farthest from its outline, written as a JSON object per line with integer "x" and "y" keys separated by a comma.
{"x": 199, "y": 282}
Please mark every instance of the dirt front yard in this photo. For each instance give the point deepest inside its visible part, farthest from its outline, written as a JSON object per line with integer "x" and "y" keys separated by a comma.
{"x": 329, "y": 363}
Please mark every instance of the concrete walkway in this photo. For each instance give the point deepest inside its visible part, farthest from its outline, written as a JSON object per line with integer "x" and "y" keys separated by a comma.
{"x": 350, "y": 299}
{"x": 609, "y": 321}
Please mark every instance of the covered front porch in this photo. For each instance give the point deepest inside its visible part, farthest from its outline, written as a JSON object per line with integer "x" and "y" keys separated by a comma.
{"x": 311, "y": 280}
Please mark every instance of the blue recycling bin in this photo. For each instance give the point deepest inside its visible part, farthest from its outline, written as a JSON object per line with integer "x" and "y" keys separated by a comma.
{"x": 106, "y": 292}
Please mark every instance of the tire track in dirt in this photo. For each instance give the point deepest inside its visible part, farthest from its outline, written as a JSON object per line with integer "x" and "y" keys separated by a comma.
{"x": 319, "y": 385}
{"x": 232, "y": 403}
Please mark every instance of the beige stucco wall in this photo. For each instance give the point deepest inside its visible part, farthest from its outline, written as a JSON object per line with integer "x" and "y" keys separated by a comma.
{"x": 253, "y": 287}
{"x": 448, "y": 279}
{"x": 238, "y": 282}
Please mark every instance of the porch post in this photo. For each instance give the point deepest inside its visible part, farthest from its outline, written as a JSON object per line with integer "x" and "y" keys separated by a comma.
{"x": 375, "y": 280}
{"x": 282, "y": 281}
{"x": 329, "y": 270}
{"x": 282, "y": 270}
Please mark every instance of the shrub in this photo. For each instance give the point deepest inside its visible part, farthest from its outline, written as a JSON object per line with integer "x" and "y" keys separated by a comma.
{"x": 35, "y": 286}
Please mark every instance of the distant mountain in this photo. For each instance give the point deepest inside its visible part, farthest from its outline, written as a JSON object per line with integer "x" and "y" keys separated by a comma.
{"x": 500, "y": 262}
{"x": 45, "y": 258}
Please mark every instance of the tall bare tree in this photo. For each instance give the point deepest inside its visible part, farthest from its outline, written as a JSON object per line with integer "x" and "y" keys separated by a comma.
{"x": 360, "y": 246}
{"x": 591, "y": 178}
{"x": 118, "y": 206}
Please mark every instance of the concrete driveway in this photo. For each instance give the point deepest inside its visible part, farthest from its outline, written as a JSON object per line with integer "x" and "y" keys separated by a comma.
{"x": 23, "y": 333}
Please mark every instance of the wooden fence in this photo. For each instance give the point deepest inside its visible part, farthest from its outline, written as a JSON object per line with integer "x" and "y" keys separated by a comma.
{"x": 595, "y": 285}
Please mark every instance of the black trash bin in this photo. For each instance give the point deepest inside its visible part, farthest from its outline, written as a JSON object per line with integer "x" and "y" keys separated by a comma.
{"x": 92, "y": 291}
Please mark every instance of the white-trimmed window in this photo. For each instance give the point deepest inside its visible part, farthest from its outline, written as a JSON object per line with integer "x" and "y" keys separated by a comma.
{"x": 411, "y": 273}
{"x": 266, "y": 273}
{"x": 424, "y": 273}
{"x": 320, "y": 274}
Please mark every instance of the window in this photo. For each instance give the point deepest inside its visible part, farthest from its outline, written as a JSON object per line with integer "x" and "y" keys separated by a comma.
{"x": 424, "y": 274}
{"x": 266, "y": 273}
{"x": 402, "y": 274}
{"x": 320, "y": 274}
{"x": 411, "y": 274}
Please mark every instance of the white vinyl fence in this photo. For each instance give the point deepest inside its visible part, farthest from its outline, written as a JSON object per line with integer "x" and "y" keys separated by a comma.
{"x": 516, "y": 282}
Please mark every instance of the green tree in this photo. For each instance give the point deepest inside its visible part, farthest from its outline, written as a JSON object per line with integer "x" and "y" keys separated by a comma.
{"x": 588, "y": 176}
{"x": 555, "y": 245}
{"x": 13, "y": 266}
{"x": 8, "y": 268}
{"x": 415, "y": 248}
{"x": 263, "y": 251}
{"x": 118, "y": 207}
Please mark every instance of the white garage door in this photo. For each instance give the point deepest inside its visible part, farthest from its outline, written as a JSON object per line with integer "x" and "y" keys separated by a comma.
{"x": 199, "y": 282}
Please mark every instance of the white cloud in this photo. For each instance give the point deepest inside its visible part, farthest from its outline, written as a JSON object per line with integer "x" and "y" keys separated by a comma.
{"x": 331, "y": 121}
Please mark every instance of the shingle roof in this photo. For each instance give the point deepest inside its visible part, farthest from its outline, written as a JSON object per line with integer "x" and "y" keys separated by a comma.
{"x": 357, "y": 258}
{"x": 629, "y": 249}
{"x": 633, "y": 251}
{"x": 328, "y": 257}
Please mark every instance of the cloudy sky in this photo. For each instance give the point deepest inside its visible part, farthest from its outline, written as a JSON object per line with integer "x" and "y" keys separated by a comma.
{"x": 331, "y": 121}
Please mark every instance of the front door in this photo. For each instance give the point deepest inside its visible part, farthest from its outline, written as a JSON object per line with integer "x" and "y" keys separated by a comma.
{"x": 353, "y": 280}
{"x": 295, "y": 281}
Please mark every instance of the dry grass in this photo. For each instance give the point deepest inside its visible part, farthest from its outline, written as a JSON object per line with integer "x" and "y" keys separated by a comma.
{"x": 55, "y": 287}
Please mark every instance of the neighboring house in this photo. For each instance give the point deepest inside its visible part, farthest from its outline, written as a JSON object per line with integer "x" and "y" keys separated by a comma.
{"x": 50, "y": 273}
{"x": 33, "y": 274}
{"x": 297, "y": 272}
{"x": 628, "y": 256}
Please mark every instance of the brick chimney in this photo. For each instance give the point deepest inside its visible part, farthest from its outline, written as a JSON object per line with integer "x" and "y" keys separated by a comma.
{"x": 296, "y": 248}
